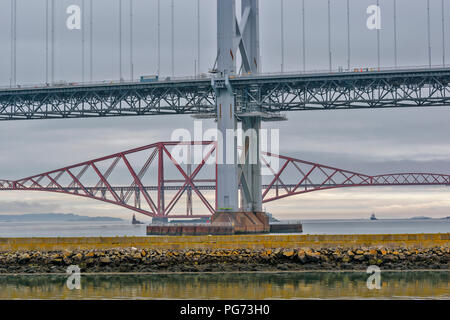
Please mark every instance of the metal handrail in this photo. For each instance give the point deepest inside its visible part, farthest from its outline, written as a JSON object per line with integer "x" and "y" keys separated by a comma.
{"x": 68, "y": 84}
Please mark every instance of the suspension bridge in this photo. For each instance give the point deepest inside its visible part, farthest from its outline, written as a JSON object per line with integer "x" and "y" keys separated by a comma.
{"x": 229, "y": 95}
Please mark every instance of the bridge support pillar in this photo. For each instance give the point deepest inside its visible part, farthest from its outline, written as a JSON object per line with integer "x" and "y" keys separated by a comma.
{"x": 232, "y": 37}
{"x": 227, "y": 174}
{"x": 159, "y": 220}
{"x": 250, "y": 175}
{"x": 227, "y": 185}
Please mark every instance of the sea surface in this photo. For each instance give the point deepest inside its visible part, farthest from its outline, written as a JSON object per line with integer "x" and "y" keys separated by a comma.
{"x": 305, "y": 285}
{"x": 260, "y": 285}
{"x": 112, "y": 229}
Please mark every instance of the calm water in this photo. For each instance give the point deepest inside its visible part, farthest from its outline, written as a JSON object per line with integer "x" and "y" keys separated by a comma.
{"x": 310, "y": 285}
{"x": 111, "y": 229}
{"x": 377, "y": 226}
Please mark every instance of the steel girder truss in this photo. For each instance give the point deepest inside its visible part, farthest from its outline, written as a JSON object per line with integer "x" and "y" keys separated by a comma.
{"x": 271, "y": 94}
{"x": 132, "y": 170}
{"x": 152, "y": 180}
{"x": 355, "y": 90}
{"x": 107, "y": 101}
{"x": 310, "y": 176}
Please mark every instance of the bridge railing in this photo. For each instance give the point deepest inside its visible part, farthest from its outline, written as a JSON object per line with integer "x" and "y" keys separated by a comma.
{"x": 66, "y": 84}
{"x": 204, "y": 76}
{"x": 351, "y": 70}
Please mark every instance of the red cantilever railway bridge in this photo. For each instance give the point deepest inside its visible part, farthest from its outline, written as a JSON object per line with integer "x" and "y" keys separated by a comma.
{"x": 150, "y": 180}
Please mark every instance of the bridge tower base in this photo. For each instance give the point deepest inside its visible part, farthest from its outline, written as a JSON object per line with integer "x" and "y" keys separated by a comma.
{"x": 160, "y": 220}
{"x": 243, "y": 222}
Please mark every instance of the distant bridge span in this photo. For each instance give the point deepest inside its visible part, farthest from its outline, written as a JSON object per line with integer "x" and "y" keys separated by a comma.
{"x": 139, "y": 179}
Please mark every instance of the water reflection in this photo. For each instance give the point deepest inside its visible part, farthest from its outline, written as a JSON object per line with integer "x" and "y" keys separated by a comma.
{"x": 311, "y": 285}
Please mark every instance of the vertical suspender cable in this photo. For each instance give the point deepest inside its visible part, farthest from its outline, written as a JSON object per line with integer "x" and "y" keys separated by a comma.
{"x": 131, "y": 41}
{"x": 378, "y": 43}
{"x": 348, "y": 35}
{"x": 443, "y": 33}
{"x": 173, "y": 36}
{"x": 159, "y": 38}
{"x": 11, "y": 77}
{"x": 83, "y": 16}
{"x": 91, "y": 40}
{"x": 120, "y": 40}
{"x": 429, "y": 33}
{"x": 46, "y": 41}
{"x": 52, "y": 74}
{"x": 13, "y": 42}
{"x": 304, "y": 35}
{"x": 395, "y": 34}
{"x": 198, "y": 37}
{"x": 282, "y": 35}
{"x": 329, "y": 36}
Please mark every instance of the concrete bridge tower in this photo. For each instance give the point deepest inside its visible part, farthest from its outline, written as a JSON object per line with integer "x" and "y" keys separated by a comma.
{"x": 238, "y": 36}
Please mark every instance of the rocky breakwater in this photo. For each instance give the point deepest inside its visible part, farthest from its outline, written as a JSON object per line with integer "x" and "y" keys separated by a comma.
{"x": 220, "y": 260}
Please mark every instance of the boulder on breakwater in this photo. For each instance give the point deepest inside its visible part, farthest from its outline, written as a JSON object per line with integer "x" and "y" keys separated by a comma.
{"x": 225, "y": 260}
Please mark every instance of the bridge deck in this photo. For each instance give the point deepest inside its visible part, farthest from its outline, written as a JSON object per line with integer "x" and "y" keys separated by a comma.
{"x": 271, "y": 93}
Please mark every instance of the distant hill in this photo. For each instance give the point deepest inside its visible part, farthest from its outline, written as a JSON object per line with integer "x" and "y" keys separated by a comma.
{"x": 63, "y": 217}
{"x": 428, "y": 218}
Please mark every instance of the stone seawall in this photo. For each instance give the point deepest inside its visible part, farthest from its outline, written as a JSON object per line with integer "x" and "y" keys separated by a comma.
{"x": 225, "y": 260}
{"x": 225, "y": 253}
{"x": 227, "y": 242}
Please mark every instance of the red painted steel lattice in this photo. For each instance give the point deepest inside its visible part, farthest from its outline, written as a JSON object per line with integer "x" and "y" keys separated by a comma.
{"x": 136, "y": 179}
{"x": 150, "y": 180}
{"x": 310, "y": 176}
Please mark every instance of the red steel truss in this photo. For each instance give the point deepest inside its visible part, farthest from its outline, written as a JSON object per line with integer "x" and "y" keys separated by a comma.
{"x": 310, "y": 176}
{"x": 152, "y": 180}
{"x": 139, "y": 179}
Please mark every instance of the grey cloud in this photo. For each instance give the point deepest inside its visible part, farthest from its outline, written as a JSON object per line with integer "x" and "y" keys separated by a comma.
{"x": 26, "y": 206}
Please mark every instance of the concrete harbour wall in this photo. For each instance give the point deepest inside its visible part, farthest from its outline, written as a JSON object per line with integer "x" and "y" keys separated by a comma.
{"x": 228, "y": 242}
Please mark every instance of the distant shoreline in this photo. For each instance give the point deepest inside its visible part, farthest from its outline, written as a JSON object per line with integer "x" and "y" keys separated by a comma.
{"x": 367, "y": 219}
{"x": 54, "y": 217}
{"x": 69, "y": 217}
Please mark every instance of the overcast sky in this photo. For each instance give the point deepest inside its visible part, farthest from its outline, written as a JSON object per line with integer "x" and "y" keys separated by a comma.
{"x": 372, "y": 141}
